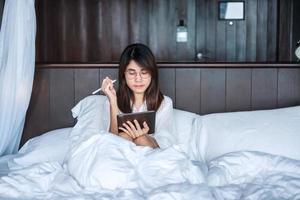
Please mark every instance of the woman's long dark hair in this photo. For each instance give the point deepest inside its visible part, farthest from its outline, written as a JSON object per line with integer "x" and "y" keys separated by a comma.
{"x": 143, "y": 56}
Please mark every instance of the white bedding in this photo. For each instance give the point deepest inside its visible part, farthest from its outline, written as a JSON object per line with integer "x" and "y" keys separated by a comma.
{"x": 85, "y": 163}
{"x": 4, "y": 170}
{"x": 105, "y": 166}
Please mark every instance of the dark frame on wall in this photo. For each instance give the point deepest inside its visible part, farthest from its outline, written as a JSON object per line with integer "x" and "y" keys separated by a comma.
{"x": 232, "y": 5}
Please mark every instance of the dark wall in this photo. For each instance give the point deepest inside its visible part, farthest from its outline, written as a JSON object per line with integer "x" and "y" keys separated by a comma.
{"x": 1, "y": 10}
{"x": 211, "y": 88}
{"x": 289, "y": 30}
{"x": 98, "y": 30}
{"x": 296, "y": 27}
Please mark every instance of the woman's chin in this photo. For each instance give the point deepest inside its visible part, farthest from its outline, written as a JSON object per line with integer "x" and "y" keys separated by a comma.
{"x": 139, "y": 91}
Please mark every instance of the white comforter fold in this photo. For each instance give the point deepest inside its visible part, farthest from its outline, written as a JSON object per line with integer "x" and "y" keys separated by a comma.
{"x": 258, "y": 175}
{"x": 110, "y": 162}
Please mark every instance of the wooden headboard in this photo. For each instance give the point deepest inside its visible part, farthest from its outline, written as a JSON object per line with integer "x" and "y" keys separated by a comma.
{"x": 197, "y": 87}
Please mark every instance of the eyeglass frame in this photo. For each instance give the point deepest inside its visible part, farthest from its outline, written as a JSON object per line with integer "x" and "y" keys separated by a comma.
{"x": 137, "y": 73}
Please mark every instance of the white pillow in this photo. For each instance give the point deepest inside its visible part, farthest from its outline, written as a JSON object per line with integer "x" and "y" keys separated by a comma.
{"x": 89, "y": 112}
{"x": 183, "y": 123}
{"x": 51, "y": 146}
{"x": 274, "y": 131}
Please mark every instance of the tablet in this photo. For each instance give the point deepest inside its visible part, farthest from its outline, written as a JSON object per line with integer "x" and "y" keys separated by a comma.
{"x": 147, "y": 116}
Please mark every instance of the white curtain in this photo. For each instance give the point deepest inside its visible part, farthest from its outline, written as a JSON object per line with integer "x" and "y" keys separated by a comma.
{"x": 17, "y": 63}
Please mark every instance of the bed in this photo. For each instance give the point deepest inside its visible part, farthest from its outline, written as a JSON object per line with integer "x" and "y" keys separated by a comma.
{"x": 233, "y": 155}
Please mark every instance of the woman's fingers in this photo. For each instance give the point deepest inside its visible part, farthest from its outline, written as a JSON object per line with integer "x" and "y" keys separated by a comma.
{"x": 137, "y": 125}
{"x": 139, "y": 131}
{"x": 145, "y": 128}
{"x": 129, "y": 130}
{"x": 104, "y": 83}
{"x": 134, "y": 129}
{"x": 131, "y": 125}
{"x": 126, "y": 136}
{"x": 125, "y": 131}
{"x": 108, "y": 89}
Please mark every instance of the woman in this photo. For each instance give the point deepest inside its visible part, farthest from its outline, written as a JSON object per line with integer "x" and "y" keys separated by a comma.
{"x": 139, "y": 91}
{"x": 103, "y": 159}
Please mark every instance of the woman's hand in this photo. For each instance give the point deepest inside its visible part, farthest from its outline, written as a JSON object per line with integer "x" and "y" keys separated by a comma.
{"x": 134, "y": 130}
{"x": 125, "y": 136}
{"x": 138, "y": 135}
{"x": 108, "y": 88}
{"x": 146, "y": 140}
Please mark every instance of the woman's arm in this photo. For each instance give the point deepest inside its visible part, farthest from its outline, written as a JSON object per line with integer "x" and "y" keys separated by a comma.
{"x": 109, "y": 90}
{"x": 114, "y": 111}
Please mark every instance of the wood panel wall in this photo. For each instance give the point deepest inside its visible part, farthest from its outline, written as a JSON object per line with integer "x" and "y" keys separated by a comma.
{"x": 1, "y": 11}
{"x": 203, "y": 89}
{"x": 295, "y": 28}
{"x": 285, "y": 31}
{"x": 289, "y": 30}
{"x": 98, "y": 30}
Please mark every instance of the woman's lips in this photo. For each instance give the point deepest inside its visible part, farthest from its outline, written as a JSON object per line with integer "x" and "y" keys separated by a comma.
{"x": 138, "y": 86}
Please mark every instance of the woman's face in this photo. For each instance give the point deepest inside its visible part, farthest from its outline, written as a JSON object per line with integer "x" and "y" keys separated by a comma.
{"x": 137, "y": 78}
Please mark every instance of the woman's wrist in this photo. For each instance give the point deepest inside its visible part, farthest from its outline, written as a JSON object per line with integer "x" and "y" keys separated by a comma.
{"x": 113, "y": 101}
{"x": 114, "y": 106}
{"x": 153, "y": 141}
{"x": 146, "y": 140}
{"x": 125, "y": 136}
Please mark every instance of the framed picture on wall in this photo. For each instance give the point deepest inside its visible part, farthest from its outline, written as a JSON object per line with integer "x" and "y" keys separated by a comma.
{"x": 231, "y": 10}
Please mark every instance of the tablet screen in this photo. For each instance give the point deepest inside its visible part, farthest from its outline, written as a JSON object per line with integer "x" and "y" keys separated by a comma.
{"x": 147, "y": 116}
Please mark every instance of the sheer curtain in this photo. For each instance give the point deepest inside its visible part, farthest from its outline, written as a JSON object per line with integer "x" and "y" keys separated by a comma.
{"x": 17, "y": 63}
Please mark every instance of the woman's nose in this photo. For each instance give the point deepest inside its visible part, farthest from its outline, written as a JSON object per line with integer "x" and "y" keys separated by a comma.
{"x": 138, "y": 77}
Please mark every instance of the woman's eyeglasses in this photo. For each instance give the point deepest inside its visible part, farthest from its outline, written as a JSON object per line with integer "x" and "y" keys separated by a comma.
{"x": 132, "y": 74}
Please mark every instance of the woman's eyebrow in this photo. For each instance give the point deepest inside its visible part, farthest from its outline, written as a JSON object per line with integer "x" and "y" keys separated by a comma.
{"x": 141, "y": 69}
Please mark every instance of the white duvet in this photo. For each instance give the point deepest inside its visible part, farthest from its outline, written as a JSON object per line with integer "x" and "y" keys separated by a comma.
{"x": 104, "y": 166}
{"x": 107, "y": 161}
